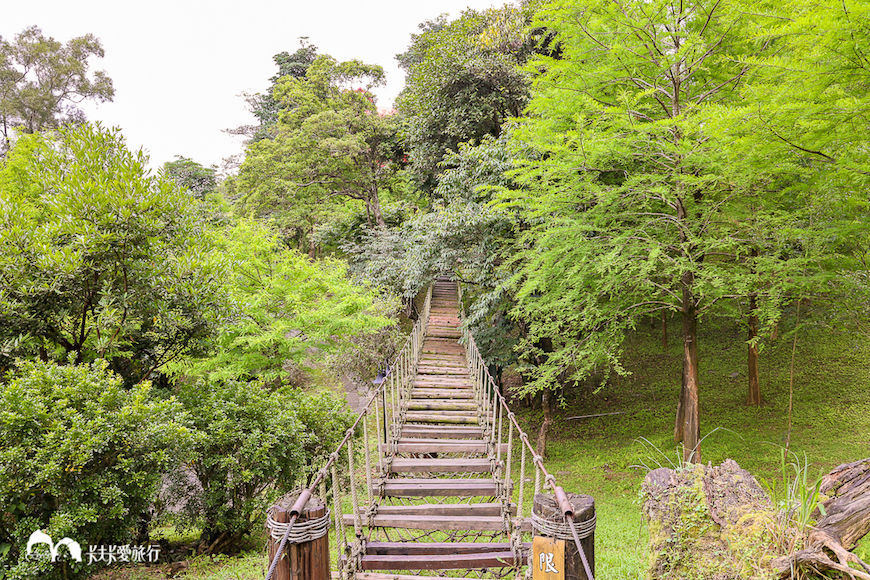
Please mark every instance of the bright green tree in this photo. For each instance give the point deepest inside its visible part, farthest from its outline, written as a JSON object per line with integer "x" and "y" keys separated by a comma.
{"x": 98, "y": 258}
{"x": 41, "y": 80}
{"x": 288, "y": 311}
{"x": 630, "y": 208}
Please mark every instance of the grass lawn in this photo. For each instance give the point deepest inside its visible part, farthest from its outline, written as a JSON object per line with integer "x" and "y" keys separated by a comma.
{"x": 608, "y": 456}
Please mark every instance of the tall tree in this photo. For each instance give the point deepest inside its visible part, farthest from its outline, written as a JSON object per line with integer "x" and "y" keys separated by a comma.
{"x": 628, "y": 202}
{"x": 331, "y": 147}
{"x": 193, "y": 176}
{"x": 41, "y": 80}
{"x": 264, "y": 106}
{"x": 463, "y": 82}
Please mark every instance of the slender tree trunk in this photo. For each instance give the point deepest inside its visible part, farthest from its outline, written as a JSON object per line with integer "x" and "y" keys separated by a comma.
{"x": 546, "y": 345}
{"x": 376, "y": 208}
{"x": 688, "y": 426}
{"x": 754, "y": 396}
{"x": 664, "y": 330}
{"x": 312, "y": 247}
{"x": 541, "y": 444}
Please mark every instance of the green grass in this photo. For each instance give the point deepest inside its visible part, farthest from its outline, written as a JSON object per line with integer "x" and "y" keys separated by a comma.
{"x": 600, "y": 456}
{"x": 606, "y": 456}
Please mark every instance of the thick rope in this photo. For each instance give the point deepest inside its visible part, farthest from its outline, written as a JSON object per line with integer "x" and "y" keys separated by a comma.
{"x": 300, "y": 531}
{"x": 562, "y": 530}
{"x": 339, "y": 528}
{"x": 522, "y": 474}
{"x": 367, "y": 445}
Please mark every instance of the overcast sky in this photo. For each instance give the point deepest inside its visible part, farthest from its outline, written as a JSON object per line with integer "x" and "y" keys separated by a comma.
{"x": 180, "y": 66}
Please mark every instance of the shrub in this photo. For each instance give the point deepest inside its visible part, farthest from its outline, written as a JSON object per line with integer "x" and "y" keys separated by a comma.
{"x": 254, "y": 444}
{"x": 80, "y": 457}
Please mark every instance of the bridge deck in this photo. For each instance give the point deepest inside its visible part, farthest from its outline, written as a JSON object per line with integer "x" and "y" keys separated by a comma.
{"x": 441, "y": 505}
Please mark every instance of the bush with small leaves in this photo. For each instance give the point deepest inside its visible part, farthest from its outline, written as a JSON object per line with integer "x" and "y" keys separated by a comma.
{"x": 80, "y": 457}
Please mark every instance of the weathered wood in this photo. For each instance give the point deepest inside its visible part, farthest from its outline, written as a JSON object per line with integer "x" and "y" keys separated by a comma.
{"x": 546, "y": 507}
{"x": 421, "y": 393}
{"x": 460, "y": 432}
{"x": 307, "y": 560}
{"x": 440, "y": 406}
{"x": 846, "y": 520}
{"x": 410, "y": 445}
{"x": 442, "y": 417}
{"x": 440, "y": 488}
{"x": 411, "y": 548}
{"x": 401, "y": 465}
{"x": 438, "y": 562}
{"x": 451, "y": 522}
{"x": 282, "y": 569}
{"x": 448, "y": 509}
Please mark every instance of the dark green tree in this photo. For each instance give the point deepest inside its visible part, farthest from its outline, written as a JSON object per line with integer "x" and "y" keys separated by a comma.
{"x": 187, "y": 173}
{"x": 332, "y": 150}
{"x": 264, "y": 106}
{"x": 463, "y": 81}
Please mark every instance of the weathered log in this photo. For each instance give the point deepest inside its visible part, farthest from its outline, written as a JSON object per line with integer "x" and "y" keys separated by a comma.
{"x": 717, "y": 522}
{"x": 846, "y": 520}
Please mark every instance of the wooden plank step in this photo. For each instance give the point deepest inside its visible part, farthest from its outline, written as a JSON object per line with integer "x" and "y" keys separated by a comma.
{"x": 420, "y": 393}
{"x": 412, "y": 445}
{"x": 455, "y": 522}
{"x": 422, "y": 548}
{"x": 437, "y": 509}
{"x": 421, "y": 417}
{"x": 442, "y": 432}
{"x": 438, "y": 562}
{"x": 441, "y": 406}
{"x": 465, "y": 465}
{"x": 433, "y": 487}
{"x": 448, "y": 380}
{"x": 430, "y": 370}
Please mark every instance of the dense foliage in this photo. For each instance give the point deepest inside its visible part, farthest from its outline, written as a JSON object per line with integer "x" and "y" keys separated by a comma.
{"x": 99, "y": 258}
{"x": 81, "y": 456}
{"x": 251, "y": 444}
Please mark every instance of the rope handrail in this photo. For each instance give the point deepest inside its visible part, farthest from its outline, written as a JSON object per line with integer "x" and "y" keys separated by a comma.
{"x": 495, "y": 415}
{"x": 405, "y": 358}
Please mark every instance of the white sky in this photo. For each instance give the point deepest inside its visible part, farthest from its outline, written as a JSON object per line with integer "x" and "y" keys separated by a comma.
{"x": 180, "y": 66}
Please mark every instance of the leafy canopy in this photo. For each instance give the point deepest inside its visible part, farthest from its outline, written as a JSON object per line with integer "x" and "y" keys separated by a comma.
{"x": 41, "y": 80}
{"x": 98, "y": 258}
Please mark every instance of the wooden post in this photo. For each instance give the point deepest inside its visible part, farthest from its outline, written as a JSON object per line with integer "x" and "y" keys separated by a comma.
{"x": 307, "y": 560}
{"x": 547, "y": 508}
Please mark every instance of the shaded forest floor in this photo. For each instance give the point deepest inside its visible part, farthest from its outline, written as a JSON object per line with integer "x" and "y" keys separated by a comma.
{"x": 608, "y": 456}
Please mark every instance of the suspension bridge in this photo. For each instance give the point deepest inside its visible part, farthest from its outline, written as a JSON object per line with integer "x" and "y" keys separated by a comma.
{"x": 435, "y": 478}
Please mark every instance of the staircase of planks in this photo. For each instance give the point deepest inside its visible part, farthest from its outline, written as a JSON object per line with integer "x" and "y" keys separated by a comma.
{"x": 431, "y": 465}
{"x": 440, "y": 509}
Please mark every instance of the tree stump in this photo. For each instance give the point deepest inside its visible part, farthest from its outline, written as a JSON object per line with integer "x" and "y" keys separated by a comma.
{"x": 546, "y": 507}
{"x": 307, "y": 560}
{"x": 717, "y": 523}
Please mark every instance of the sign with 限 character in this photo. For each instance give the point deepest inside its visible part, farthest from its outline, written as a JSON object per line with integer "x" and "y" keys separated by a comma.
{"x": 548, "y": 559}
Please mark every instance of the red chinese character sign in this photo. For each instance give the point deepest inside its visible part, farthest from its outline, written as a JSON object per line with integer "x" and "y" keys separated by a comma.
{"x": 548, "y": 559}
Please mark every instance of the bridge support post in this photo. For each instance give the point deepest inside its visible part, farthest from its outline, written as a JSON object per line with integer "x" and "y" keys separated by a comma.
{"x": 548, "y": 520}
{"x": 306, "y": 555}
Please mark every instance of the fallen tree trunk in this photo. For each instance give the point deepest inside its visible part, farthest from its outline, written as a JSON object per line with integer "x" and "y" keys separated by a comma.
{"x": 846, "y": 520}
{"x": 717, "y": 522}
